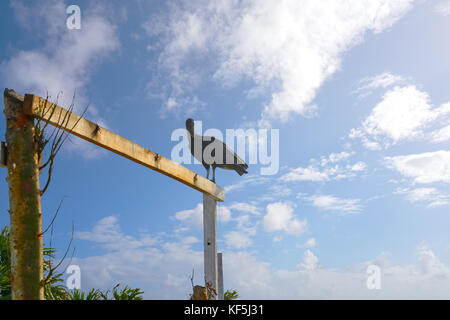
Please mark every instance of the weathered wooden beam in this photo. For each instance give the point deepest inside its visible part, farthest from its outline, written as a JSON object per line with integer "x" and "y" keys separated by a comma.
{"x": 24, "y": 202}
{"x": 210, "y": 242}
{"x": 106, "y": 139}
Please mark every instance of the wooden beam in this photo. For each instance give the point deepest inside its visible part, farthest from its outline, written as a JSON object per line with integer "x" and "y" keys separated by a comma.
{"x": 106, "y": 139}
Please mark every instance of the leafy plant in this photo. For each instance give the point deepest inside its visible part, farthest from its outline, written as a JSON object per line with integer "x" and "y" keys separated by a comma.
{"x": 94, "y": 294}
{"x": 230, "y": 295}
{"x": 5, "y": 265}
{"x": 54, "y": 288}
{"x": 125, "y": 293}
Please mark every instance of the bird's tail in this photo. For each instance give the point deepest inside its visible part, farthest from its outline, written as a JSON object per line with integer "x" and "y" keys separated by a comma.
{"x": 241, "y": 168}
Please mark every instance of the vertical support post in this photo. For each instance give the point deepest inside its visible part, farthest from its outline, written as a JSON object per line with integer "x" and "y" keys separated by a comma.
{"x": 24, "y": 201}
{"x": 220, "y": 275}
{"x": 210, "y": 242}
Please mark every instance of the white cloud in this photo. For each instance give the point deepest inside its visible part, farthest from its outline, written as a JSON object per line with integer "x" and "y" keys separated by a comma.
{"x": 248, "y": 180}
{"x": 431, "y": 196}
{"x": 325, "y": 169}
{"x": 245, "y": 207}
{"x": 310, "y": 243}
{"x": 301, "y": 48}
{"x": 193, "y": 218}
{"x": 359, "y": 166}
{"x": 384, "y": 80}
{"x": 243, "y": 221}
{"x": 66, "y": 60}
{"x": 430, "y": 264}
{"x": 441, "y": 135}
{"x": 428, "y": 278}
{"x": 276, "y": 192}
{"x": 332, "y": 203}
{"x": 223, "y": 213}
{"x": 237, "y": 239}
{"x": 162, "y": 269}
{"x": 107, "y": 232}
{"x": 305, "y": 174}
{"x": 403, "y": 114}
{"x": 146, "y": 260}
{"x": 309, "y": 261}
{"x": 246, "y": 225}
{"x": 51, "y": 13}
{"x": 335, "y": 157}
{"x": 443, "y": 8}
{"x": 280, "y": 217}
{"x": 277, "y": 217}
{"x": 423, "y": 167}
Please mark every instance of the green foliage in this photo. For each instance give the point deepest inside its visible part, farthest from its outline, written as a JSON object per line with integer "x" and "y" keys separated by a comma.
{"x": 125, "y": 293}
{"x": 56, "y": 292}
{"x": 5, "y": 265}
{"x": 54, "y": 288}
{"x": 230, "y": 295}
{"x": 94, "y": 294}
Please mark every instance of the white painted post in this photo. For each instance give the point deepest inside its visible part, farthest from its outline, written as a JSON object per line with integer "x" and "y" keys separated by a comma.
{"x": 210, "y": 242}
{"x": 220, "y": 275}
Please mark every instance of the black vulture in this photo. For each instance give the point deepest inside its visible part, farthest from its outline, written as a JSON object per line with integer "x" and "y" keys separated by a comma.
{"x": 227, "y": 160}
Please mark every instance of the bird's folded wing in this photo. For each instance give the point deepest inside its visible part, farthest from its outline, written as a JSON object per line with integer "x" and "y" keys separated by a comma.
{"x": 230, "y": 154}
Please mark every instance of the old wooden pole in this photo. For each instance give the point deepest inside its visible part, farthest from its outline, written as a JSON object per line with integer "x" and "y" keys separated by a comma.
{"x": 3, "y": 155}
{"x": 24, "y": 201}
{"x": 210, "y": 243}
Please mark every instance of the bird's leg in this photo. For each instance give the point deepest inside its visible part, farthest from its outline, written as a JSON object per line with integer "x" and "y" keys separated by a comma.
{"x": 207, "y": 172}
{"x": 214, "y": 174}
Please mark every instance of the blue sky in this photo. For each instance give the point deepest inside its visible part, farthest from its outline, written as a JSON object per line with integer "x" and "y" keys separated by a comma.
{"x": 357, "y": 90}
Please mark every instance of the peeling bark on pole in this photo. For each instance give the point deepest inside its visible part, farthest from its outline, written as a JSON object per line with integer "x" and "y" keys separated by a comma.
{"x": 24, "y": 200}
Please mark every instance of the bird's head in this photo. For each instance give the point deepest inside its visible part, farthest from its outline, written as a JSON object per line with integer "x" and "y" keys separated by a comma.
{"x": 190, "y": 125}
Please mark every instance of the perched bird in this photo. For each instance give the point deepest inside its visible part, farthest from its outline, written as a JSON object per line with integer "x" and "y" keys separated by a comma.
{"x": 212, "y": 152}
